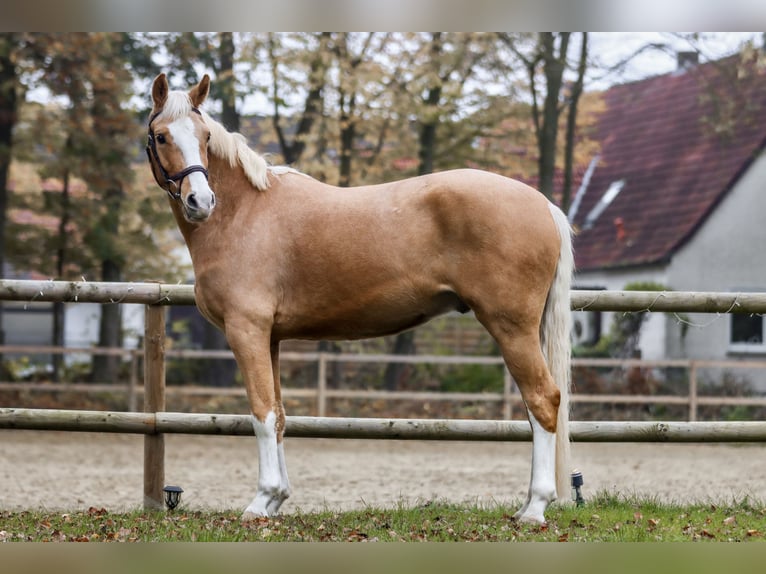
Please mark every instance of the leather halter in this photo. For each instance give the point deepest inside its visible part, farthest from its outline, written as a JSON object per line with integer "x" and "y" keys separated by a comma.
{"x": 171, "y": 181}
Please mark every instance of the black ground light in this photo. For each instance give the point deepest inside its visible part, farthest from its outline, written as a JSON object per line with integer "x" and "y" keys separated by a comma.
{"x": 172, "y": 496}
{"x": 577, "y": 483}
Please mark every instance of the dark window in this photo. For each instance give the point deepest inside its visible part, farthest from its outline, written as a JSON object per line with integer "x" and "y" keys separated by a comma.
{"x": 746, "y": 329}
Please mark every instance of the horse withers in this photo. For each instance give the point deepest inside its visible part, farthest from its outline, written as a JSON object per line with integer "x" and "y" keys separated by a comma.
{"x": 279, "y": 255}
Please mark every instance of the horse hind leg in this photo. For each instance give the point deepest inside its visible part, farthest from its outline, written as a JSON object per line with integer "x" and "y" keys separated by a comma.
{"x": 541, "y": 397}
{"x": 524, "y": 358}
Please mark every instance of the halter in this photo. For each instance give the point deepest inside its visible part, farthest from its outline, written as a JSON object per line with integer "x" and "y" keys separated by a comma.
{"x": 177, "y": 179}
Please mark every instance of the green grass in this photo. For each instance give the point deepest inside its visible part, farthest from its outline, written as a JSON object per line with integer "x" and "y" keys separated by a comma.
{"x": 606, "y": 518}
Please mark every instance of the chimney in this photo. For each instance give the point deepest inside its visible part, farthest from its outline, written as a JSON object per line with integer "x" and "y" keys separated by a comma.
{"x": 686, "y": 60}
{"x": 619, "y": 226}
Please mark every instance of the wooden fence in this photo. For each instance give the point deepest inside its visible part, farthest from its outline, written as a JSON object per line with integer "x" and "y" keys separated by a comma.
{"x": 155, "y": 296}
{"x": 509, "y": 398}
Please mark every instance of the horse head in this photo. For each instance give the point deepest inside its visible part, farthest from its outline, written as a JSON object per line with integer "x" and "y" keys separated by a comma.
{"x": 177, "y": 147}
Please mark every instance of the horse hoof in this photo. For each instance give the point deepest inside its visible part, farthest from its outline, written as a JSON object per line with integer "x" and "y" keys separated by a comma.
{"x": 520, "y": 518}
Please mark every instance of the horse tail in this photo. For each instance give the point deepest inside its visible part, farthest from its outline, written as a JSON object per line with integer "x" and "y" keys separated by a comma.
{"x": 555, "y": 333}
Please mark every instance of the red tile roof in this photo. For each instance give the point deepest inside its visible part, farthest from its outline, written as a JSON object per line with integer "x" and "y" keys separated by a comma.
{"x": 679, "y": 142}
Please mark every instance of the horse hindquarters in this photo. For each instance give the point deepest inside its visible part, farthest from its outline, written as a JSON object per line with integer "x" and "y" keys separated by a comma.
{"x": 533, "y": 335}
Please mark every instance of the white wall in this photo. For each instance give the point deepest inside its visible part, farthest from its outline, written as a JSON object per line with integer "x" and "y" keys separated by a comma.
{"x": 726, "y": 254}
{"x": 82, "y": 322}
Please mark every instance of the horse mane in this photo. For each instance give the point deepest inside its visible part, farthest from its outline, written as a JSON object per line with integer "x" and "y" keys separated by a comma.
{"x": 229, "y": 146}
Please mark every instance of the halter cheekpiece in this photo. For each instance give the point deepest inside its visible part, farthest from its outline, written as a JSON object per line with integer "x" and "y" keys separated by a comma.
{"x": 171, "y": 181}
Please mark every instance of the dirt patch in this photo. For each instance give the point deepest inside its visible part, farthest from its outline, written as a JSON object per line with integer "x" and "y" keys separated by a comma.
{"x": 57, "y": 470}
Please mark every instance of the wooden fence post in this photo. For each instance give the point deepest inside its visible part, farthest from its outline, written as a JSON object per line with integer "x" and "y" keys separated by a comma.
{"x": 507, "y": 399}
{"x": 693, "y": 391}
{"x": 154, "y": 401}
{"x": 133, "y": 382}
{"x": 322, "y": 385}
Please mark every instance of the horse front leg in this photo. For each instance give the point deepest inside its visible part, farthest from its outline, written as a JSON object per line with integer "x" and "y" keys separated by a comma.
{"x": 258, "y": 361}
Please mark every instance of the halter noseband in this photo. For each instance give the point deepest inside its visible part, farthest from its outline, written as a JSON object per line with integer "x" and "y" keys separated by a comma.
{"x": 171, "y": 181}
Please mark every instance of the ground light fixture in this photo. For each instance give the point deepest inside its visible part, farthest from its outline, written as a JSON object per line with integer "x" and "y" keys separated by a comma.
{"x": 577, "y": 483}
{"x": 172, "y": 496}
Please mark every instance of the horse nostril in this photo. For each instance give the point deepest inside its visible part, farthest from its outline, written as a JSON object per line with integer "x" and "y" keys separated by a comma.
{"x": 212, "y": 200}
{"x": 191, "y": 201}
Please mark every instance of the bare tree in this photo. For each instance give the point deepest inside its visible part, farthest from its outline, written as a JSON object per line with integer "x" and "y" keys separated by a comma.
{"x": 9, "y": 43}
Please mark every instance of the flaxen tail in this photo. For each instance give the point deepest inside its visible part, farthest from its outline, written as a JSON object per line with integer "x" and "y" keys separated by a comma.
{"x": 555, "y": 333}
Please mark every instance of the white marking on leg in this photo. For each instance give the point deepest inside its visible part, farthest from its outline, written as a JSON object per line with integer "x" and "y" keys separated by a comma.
{"x": 284, "y": 482}
{"x": 542, "y": 486}
{"x": 269, "y": 478}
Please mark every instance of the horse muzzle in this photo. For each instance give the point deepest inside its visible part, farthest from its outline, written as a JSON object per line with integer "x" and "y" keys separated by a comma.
{"x": 198, "y": 207}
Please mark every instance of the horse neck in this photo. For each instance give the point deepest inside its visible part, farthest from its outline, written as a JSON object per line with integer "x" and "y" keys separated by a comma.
{"x": 231, "y": 188}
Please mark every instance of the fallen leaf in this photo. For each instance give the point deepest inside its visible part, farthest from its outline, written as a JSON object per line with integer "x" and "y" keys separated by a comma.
{"x": 728, "y": 521}
{"x": 564, "y": 537}
{"x": 754, "y": 533}
{"x": 356, "y": 536}
{"x": 706, "y": 533}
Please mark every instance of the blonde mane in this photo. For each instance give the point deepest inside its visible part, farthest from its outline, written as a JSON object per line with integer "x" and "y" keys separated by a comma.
{"x": 231, "y": 147}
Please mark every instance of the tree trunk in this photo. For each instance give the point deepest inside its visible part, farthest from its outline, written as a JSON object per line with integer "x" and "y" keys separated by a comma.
{"x": 229, "y": 114}
{"x": 59, "y": 317}
{"x": 553, "y": 69}
{"x": 312, "y": 108}
{"x": 347, "y": 135}
{"x": 106, "y": 367}
{"x": 566, "y": 192}
{"x": 8, "y": 116}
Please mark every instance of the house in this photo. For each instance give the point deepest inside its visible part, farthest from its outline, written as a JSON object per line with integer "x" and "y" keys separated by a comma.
{"x": 677, "y": 196}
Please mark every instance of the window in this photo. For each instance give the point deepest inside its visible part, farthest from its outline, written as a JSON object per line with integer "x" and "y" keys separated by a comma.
{"x": 746, "y": 330}
{"x": 746, "y": 334}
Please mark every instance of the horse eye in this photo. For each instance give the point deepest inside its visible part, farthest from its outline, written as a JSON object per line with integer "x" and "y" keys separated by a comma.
{"x": 208, "y": 136}
{"x": 160, "y": 138}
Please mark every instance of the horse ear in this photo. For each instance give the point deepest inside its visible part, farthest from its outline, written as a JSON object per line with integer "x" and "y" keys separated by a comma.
{"x": 199, "y": 93}
{"x": 160, "y": 91}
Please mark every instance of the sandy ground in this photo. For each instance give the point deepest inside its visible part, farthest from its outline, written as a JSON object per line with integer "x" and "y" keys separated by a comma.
{"x": 72, "y": 471}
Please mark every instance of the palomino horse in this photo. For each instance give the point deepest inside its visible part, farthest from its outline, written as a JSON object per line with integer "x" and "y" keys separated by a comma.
{"x": 278, "y": 255}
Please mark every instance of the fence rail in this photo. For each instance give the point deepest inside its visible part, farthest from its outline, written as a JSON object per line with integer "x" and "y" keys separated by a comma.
{"x": 154, "y": 422}
{"x": 509, "y": 398}
{"x": 374, "y": 428}
{"x": 581, "y": 300}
